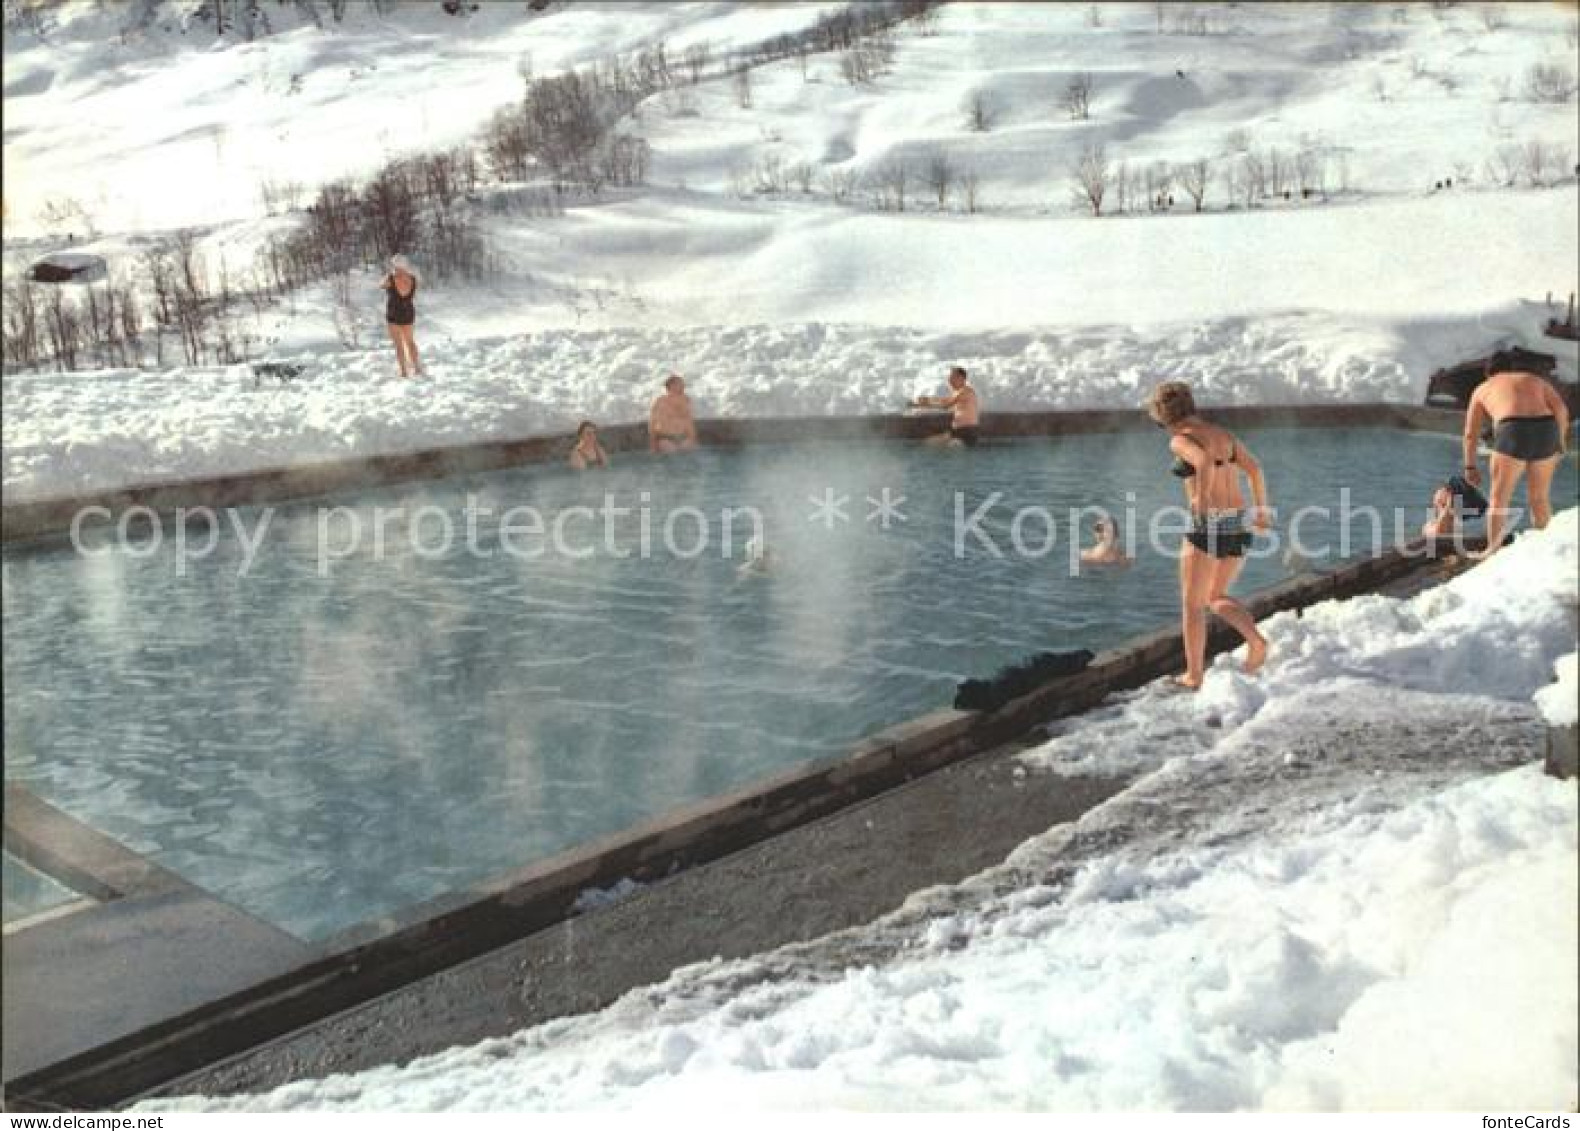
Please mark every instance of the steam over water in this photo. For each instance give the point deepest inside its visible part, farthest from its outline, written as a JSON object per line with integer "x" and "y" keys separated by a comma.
{"x": 325, "y": 730}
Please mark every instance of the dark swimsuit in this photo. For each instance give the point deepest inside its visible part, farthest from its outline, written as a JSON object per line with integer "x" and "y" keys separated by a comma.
{"x": 966, "y": 434}
{"x": 1219, "y": 533}
{"x": 1527, "y": 437}
{"x": 400, "y": 310}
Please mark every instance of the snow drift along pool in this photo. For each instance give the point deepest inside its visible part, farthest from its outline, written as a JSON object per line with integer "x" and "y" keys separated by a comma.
{"x": 324, "y": 726}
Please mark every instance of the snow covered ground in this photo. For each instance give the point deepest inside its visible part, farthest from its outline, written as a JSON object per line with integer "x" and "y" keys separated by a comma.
{"x": 788, "y": 302}
{"x": 1330, "y": 888}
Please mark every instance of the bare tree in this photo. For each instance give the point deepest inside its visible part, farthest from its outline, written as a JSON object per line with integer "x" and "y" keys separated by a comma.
{"x": 939, "y": 176}
{"x": 696, "y": 58}
{"x": 1078, "y": 97}
{"x": 890, "y": 181}
{"x": 742, "y": 83}
{"x": 1494, "y": 17}
{"x": 979, "y": 111}
{"x": 1550, "y": 82}
{"x": 1503, "y": 167}
{"x": 1195, "y": 176}
{"x": 971, "y": 190}
{"x": 1091, "y": 174}
{"x": 840, "y": 184}
{"x": 1159, "y": 179}
{"x": 1534, "y": 162}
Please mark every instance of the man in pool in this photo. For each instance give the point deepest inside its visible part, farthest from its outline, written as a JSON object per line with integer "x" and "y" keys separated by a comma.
{"x": 1530, "y": 434}
{"x": 670, "y": 425}
{"x": 964, "y": 422}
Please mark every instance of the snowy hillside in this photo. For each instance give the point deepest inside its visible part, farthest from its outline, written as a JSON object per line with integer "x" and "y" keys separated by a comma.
{"x": 1326, "y": 263}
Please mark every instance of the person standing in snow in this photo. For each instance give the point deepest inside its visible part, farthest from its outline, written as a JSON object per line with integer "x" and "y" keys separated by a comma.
{"x": 1530, "y": 434}
{"x": 670, "y": 425}
{"x": 400, "y": 312}
{"x": 964, "y": 411}
{"x": 1211, "y": 460}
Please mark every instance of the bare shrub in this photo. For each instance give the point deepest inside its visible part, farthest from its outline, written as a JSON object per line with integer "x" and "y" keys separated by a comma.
{"x": 971, "y": 191}
{"x": 1091, "y": 175}
{"x": 979, "y": 111}
{"x": 802, "y": 173}
{"x": 1550, "y": 82}
{"x": 1159, "y": 179}
{"x": 1195, "y": 178}
{"x": 1078, "y": 97}
{"x": 841, "y": 184}
{"x": 890, "y": 182}
{"x": 939, "y": 177}
{"x": 696, "y": 58}
{"x": 1505, "y": 163}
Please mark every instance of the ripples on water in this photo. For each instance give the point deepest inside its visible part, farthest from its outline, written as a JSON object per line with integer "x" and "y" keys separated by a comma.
{"x": 325, "y": 750}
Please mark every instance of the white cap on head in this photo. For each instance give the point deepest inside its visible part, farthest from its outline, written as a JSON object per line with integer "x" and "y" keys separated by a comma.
{"x": 401, "y": 263}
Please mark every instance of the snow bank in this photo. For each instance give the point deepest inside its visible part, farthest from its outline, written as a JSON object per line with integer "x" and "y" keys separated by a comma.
{"x": 81, "y": 431}
{"x": 1344, "y": 901}
{"x": 1558, "y": 701}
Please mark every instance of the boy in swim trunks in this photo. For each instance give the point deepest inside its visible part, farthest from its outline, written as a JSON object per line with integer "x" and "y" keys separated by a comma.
{"x": 964, "y": 419}
{"x": 1530, "y": 434}
{"x": 670, "y": 425}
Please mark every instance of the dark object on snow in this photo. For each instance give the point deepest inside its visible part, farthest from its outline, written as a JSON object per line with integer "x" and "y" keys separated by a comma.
{"x": 1019, "y": 679}
{"x": 1453, "y": 386}
{"x": 1563, "y": 751}
{"x": 280, "y": 371}
{"x": 69, "y": 267}
{"x": 1472, "y": 503}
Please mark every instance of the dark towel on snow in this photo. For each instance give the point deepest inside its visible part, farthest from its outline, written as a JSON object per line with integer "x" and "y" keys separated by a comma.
{"x": 1019, "y": 679}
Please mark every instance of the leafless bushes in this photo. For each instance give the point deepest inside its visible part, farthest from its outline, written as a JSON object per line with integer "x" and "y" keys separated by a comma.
{"x": 1078, "y": 97}
{"x": 1091, "y": 175}
{"x": 980, "y": 111}
{"x": 1550, "y": 82}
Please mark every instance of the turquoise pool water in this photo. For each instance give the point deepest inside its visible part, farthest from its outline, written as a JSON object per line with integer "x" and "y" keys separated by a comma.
{"x": 327, "y": 747}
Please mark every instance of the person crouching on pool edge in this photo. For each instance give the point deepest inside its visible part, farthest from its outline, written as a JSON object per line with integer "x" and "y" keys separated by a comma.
{"x": 670, "y": 425}
{"x": 1211, "y": 460}
{"x": 1530, "y": 434}
{"x": 964, "y": 422}
{"x": 588, "y": 452}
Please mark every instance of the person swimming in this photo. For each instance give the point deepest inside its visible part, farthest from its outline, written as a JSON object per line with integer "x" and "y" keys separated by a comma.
{"x": 759, "y": 560}
{"x": 1210, "y": 461}
{"x": 1530, "y": 434}
{"x": 1107, "y": 550}
{"x": 588, "y": 452}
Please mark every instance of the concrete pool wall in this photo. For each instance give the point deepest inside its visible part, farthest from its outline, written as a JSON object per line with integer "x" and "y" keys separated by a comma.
{"x": 103, "y": 1066}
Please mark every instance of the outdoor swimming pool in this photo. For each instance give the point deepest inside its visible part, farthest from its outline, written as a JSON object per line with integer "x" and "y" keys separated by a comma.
{"x": 327, "y": 746}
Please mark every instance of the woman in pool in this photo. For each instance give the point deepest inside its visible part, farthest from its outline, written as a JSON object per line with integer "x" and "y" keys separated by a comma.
{"x": 1107, "y": 550}
{"x": 400, "y": 312}
{"x": 1210, "y": 461}
{"x": 588, "y": 452}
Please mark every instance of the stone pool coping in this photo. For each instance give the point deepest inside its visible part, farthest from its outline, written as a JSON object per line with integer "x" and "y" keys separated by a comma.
{"x": 354, "y": 969}
{"x": 46, "y": 517}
